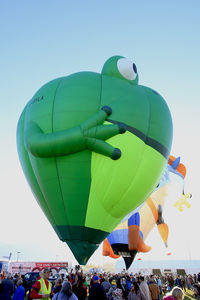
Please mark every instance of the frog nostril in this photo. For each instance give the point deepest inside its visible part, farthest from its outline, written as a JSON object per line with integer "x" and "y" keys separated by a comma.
{"x": 134, "y": 68}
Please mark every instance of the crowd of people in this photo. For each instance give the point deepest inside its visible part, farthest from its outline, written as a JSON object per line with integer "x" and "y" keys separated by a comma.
{"x": 81, "y": 286}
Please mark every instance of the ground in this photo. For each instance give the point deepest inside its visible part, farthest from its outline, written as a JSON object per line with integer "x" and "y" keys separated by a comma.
{"x": 189, "y": 295}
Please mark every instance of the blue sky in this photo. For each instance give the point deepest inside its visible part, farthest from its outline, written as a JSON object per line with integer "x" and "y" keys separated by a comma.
{"x": 42, "y": 40}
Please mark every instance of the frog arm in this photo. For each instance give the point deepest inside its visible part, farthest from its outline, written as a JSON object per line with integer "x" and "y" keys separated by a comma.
{"x": 72, "y": 140}
{"x": 59, "y": 143}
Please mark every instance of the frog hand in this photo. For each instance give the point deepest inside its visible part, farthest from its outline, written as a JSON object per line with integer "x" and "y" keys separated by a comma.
{"x": 95, "y": 133}
{"x": 91, "y": 135}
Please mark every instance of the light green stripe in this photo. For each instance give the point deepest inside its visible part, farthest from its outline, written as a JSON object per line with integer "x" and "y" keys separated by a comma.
{"x": 120, "y": 186}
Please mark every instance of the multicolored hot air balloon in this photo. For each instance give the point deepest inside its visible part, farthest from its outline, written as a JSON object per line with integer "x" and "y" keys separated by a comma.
{"x": 129, "y": 236}
{"x": 85, "y": 174}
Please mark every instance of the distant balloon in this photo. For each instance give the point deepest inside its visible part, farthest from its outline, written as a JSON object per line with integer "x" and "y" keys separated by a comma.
{"x": 128, "y": 237}
{"x": 85, "y": 174}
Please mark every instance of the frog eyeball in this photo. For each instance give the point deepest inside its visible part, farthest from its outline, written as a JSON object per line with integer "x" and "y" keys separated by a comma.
{"x": 127, "y": 68}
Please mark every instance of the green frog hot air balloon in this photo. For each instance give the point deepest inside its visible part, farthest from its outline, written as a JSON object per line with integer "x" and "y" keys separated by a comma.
{"x": 93, "y": 147}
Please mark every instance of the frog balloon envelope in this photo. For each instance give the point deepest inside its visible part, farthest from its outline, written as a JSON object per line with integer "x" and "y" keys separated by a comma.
{"x": 87, "y": 143}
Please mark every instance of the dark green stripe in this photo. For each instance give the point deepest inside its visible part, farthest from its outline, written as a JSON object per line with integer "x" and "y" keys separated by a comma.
{"x": 147, "y": 140}
{"x": 81, "y": 233}
{"x": 82, "y": 250}
{"x": 82, "y": 241}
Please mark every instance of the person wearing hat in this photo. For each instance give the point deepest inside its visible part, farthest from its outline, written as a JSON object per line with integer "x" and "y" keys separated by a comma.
{"x": 42, "y": 288}
{"x": 111, "y": 289}
{"x": 154, "y": 289}
{"x": 97, "y": 292}
{"x": 118, "y": 292}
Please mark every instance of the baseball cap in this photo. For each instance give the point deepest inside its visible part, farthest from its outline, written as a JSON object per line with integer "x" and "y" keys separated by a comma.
{"x": 95, "y": 278}
{"x": 46, "y": 270}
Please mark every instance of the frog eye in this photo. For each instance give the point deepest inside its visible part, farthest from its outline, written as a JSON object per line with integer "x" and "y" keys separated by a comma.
{"x": 127, "y": 68}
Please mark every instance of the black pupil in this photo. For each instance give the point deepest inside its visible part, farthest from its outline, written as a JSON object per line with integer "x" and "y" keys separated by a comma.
{"x": 135, "y": 68}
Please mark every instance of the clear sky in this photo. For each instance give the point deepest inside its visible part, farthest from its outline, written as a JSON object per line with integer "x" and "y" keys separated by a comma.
{"x": 44, "y": 39}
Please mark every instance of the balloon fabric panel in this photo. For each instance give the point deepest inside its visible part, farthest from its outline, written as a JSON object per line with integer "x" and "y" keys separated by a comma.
{"x": 28, "y": 171}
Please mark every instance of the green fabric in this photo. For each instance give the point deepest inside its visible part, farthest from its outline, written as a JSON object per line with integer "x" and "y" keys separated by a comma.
{"x": 160, "y": 123}
{"x": 148, "y": 112}
{"x": 82, "y": 250}
{"x": 148, "y": 141}
{"x": 28, "y": 170}
{"x": 119, "y": 188}
{"x": 71, "y": 232}
{"x": 84, "y": 171}
{"x": 83, "y": 241}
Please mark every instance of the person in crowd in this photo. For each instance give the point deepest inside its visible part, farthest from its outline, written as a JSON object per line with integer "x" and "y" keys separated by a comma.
{"x": 123, "y": 282}
{"x": 16, "y": 277}
{"x": 191, "y": 280}
{"x": 170, "y": 282}
{"x": 85, "y": 284}
{"x": 117, "y": 292}
{"x": 97, "y": 292}
{"x": 42, "y": 288}
{"x": 112, "y": 288}
{"x": 159, "y": 285}
{"x": 144, "y": 288}
{"x": 88, "y": 278}
{"x": 58, "y": 285}
{"x": 106, "y": 284}
{"x": 182, "y": 283}
{"x": 197, "y": 290}
{"x": 7, "y": 288}
{"x": 1, "y": 285}
{"x": 154, "y": 289}
{"x": 25, "y": 284}
{"x": 20, "y": 291}
{"x": 176, "y": 294}
{"x": 135, "y": 293}
{"x": 195, "y": 278}
{"x": 66, "y": 292}
{"x": 124, "y": 286}
{"x": 177, "y": 281}
{"x": 128, "y": 284}
{"x": 188, "y": 282}
{"x": 79, "y": 290}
